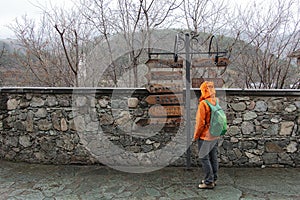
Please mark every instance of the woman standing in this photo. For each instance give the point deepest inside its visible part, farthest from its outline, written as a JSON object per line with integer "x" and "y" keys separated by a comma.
{"x": 207, "y": 144}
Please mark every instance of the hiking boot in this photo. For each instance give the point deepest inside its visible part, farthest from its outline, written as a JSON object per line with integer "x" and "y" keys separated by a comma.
{"x": 214, "y": 183}
{"x": 206, "y": 186}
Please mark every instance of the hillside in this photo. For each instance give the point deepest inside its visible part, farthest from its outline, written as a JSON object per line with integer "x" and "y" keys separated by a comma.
{"x": 162, "y": 41}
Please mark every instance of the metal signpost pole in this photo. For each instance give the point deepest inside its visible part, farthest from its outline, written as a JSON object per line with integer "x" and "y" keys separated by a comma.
{"x": 188, "y": 97}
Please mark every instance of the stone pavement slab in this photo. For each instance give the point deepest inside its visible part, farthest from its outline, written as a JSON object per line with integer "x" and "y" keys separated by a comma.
{"x": 64, "y": 182}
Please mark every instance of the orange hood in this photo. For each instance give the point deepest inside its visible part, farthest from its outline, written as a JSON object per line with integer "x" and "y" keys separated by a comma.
{"x": 207, "y": 90}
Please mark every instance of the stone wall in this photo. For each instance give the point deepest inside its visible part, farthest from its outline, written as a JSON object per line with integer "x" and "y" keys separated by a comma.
{"x": 109, "y": 126}
{"x": 264, "y": 130}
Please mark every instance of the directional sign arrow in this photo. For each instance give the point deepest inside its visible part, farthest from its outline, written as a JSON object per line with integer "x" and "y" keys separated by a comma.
{"x": 163, "y": 111}
{"x": 203, "y": 62}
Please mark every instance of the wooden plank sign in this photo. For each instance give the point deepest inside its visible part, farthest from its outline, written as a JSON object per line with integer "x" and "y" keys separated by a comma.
{"x": 223, "y": 62}
{"x": 164, "y": 75}
{"x": 164, "y": 111}
{"x": 164, "y": 99}
{"x": 209, "y": 62}
{"x": 164, "y": 88}
{"x": 166, "y": 63}
{"x": 218, "y": 82}
{"x": 203, "y": 62}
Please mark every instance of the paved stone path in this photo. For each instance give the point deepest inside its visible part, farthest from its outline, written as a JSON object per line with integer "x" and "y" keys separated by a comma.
{"x": 50, "y": 182}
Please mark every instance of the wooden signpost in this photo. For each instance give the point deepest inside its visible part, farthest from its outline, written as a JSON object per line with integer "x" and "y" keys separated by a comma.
{"x": 164, "y": 70}
{"x": 165, "y": 98}
{"x": 171, "y": 111}
{"x": 165, "y": 111}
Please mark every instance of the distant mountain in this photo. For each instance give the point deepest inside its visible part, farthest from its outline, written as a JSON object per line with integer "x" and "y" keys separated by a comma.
{"x": 10, "y": 45}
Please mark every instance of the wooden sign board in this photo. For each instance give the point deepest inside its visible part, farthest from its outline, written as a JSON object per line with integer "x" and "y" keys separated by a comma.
{"x": 167, "y": 63}
{"x": 164, "y": 88}
{"x": 209, "y": 62}
{"x": 164, "y": 99}
{"x": 218, "y": 82}
{"x": 164, "y": 111}
{"x": 223, "y": 62}
{"x": 164, "y": 75}
{"x": 203, "y": 62}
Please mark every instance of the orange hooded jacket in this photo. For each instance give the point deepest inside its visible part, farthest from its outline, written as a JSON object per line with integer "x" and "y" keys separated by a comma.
{"x": 208, "y": 92}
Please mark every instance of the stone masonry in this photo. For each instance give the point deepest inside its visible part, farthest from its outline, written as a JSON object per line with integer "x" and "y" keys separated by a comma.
{"x": 82, "y": 126}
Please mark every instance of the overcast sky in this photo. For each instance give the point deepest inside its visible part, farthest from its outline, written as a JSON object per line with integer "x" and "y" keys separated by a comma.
{"x": 12, "y": 9}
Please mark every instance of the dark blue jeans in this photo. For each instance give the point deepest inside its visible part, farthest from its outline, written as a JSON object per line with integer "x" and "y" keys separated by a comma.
{"x": 208, "y": 154}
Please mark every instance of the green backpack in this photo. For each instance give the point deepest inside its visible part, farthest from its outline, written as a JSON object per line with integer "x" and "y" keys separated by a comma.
{"x": 218, "y": 121}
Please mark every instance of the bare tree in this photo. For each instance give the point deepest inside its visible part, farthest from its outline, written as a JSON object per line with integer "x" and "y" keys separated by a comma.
{"x": 204, "y": 16}
{"x": 98, "y": 14}
{"x": 35, "y": 51}
{"x": 270, "y": 34}
{"x": 53, "y": 48}
{"x": 2, "y": 60}
{"x": 2, "y": 54}
{"x": 75, "y": 36}
{"x": 138, "y": 20}
{"x": 258, "y": 38}
{"x": 131, "y": 22}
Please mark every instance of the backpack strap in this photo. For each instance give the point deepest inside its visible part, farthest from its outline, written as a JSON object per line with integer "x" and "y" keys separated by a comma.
{"x": 209, "y": 104}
